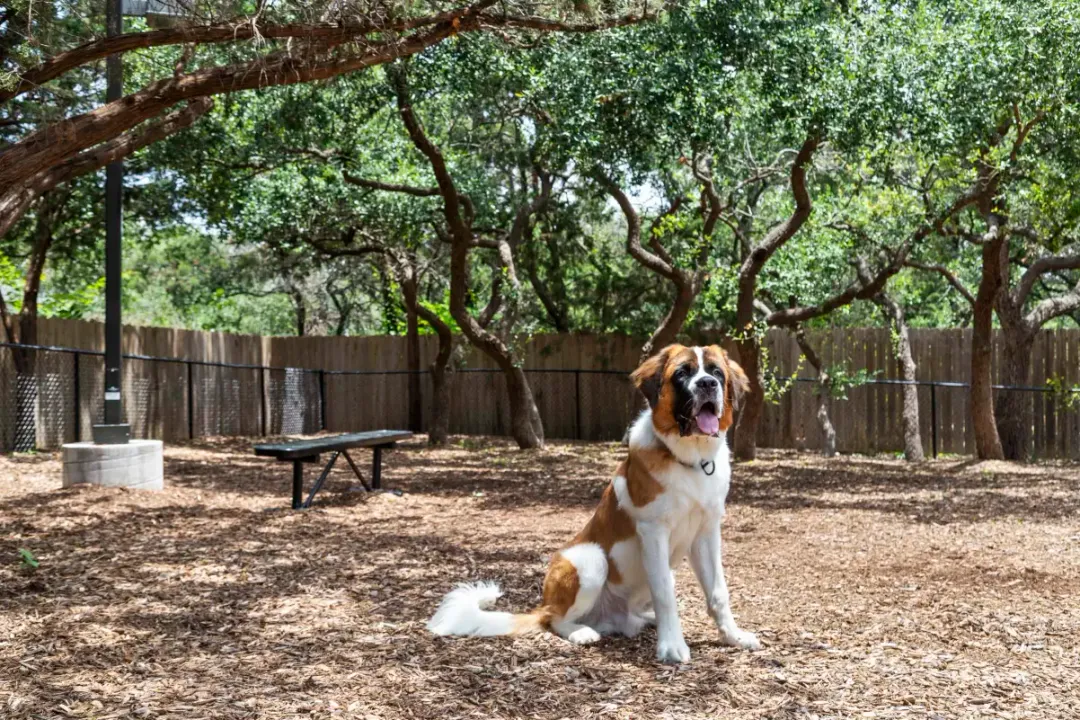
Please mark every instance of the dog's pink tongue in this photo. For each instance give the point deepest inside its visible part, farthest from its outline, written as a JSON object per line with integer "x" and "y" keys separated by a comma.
{"x": 708, "y": 423}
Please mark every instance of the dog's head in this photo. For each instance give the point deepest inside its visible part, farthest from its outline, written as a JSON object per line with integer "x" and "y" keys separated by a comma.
{"x": 691, "y": 390}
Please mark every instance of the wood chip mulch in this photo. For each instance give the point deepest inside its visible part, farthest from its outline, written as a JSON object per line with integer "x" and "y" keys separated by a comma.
{"x": 950, "y": 590}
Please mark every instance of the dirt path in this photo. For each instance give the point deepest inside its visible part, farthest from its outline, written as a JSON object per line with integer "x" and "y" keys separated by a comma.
{"x": 952, "y": 591}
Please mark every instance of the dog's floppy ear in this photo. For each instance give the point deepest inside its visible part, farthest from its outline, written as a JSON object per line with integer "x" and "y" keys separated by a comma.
{"x": 649, "y": 378}
{"x": 738, "y": 383}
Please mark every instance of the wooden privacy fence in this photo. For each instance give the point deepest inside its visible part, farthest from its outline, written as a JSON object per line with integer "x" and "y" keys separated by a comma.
{"x": 870, "y": 421}
{"x": 299, "y": 384}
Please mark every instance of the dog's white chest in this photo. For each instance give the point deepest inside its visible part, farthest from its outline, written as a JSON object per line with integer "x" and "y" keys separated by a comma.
{"x": 693, "y": 490}
{"x": 697, "y": 501}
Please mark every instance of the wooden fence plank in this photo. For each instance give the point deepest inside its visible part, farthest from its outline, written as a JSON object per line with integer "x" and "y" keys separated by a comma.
{"x": 959, "y": 395}
{"x": 1060, "y": 345}
{"x": 882, "y": 393}
{"x": 1072, "y": 379}
{"x": 1037, "y": 400}
{"x": 963, "y": 337}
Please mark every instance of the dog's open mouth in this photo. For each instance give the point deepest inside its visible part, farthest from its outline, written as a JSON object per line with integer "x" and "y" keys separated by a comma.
{"x": 707, "y": 421}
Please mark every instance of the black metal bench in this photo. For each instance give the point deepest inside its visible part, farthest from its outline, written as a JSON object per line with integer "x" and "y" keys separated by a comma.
{"x": 299, "y": 452}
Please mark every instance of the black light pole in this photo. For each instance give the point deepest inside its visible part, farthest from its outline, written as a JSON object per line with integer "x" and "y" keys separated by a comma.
{"x": 114, "y": 431}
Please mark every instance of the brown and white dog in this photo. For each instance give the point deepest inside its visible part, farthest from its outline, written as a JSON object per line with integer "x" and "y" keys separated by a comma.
{"x": 665, "y": 502}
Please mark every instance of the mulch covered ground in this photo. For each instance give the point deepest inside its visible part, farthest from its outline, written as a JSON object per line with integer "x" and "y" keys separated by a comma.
{"x": 946, "y": 591}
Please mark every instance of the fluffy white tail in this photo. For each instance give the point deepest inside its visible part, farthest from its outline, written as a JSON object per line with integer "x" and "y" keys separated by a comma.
{"x": 465, "y": 611}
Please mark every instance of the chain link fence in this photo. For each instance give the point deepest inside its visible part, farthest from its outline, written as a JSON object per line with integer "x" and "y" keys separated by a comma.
{"x": 38, "y": 390}
{"x": 50, "y": 396}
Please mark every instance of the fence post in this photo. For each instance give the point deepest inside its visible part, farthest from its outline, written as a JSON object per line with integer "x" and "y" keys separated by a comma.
{"x": 190, "y": 402}
{"x": 322, "y": 399}
{"x": 933, "y": 418}
{"x": 577, "y": 403}
{"x": 78, "y": 414}
{"x": 262, "y": 398}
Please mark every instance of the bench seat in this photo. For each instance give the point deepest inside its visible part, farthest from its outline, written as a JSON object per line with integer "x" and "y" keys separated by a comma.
{"x": 299, "y": 452}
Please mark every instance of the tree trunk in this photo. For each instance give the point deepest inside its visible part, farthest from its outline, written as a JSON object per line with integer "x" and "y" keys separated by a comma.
{"x": 301, "y": 314}
{"x": 342, "y": 323}
{"x": 412, "y": 353}
{"x": 1013, "y": 409}
{"x": 913, "y": 447}
{"x": 344, "y": 310}
{"x": 987, "y": 442}
{"x": 441, "y": 385}
{"x": 754, "y": 401}
{"x": 441, "y": 378}
{"x": 525, "y": 423}
{"x": 750, "y": 346}
{"x": 828, "y": 432}
{"x": 527, "y": 428}
{"x": 673, "y": 321}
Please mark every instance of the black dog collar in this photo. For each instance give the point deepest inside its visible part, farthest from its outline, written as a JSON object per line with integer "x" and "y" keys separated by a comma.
{"x": 707, "y": 466}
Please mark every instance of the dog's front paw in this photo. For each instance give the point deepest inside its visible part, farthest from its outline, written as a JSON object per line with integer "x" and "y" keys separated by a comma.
{"x": 583, "y": 636}
{"x": 742, "y": 639}
{"x": 672, "y": 651}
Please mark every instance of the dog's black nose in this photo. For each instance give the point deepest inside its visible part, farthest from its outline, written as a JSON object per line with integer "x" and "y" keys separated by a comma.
{"x": 708, "y": 382}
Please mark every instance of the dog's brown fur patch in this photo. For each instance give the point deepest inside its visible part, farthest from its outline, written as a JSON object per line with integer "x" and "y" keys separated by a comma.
{"x": 561, "y": 586}
{"x": 638, "y": 470}
{"x": 609, "y": 524}
{"x": 674, "y": 356}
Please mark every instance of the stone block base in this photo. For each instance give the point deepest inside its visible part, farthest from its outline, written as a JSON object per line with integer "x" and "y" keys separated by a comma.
{"x": 140, "y": 464}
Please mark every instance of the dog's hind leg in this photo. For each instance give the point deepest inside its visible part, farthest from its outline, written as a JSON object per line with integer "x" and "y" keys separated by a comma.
{"x": 586, "y": 564}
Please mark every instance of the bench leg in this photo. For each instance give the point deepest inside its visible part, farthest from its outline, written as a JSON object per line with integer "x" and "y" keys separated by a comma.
{"x": 356, "y": 470}
{"x": 322, "y": 478}
{"x": 297, "y": 484}
{"x": 376, "y": 469}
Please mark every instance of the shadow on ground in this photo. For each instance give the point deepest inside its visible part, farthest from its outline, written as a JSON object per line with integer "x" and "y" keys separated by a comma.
{"x": 212, "y": 599}
{"x": 940, "y": 492}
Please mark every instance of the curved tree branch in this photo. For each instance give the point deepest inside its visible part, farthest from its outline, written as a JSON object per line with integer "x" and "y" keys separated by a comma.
{"x": 654, "y": 232}
{"x": 945, "y": 273}
{"x": 1053, "y": 307}
{"x": 713, "y": 206}
{"x": 15, "y": 202}
{"x": 60, "y": 140}
{"x": 388, "y": 187}
{"x": 452, "y": 206}
{"x": 328, "y": 34}
{"x": 237, "y": 31}
{"x": 495, "y": 302}
{"x": 633, "y": 230}
{"x": 1039, "y": 268}
{"x": 861, "y": 289}
{"x": 528, "y": 209}
{"x": 783, "y": 232}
